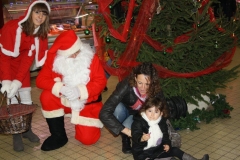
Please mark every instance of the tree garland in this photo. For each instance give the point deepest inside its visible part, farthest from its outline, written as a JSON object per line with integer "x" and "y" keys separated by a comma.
{"x": 138, "y": 35}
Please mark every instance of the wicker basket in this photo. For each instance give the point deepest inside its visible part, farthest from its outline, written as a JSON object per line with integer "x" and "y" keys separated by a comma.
{"x": 15, "y": 118}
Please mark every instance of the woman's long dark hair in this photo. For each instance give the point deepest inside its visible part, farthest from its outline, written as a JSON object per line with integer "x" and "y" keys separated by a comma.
{"x": 150, "y": 71}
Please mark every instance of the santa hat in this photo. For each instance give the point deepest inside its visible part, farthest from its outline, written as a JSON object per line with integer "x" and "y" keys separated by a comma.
{"x": 66, "y": 44}
{"x": 28, "y": 11}
{"x": 11, "y": 47}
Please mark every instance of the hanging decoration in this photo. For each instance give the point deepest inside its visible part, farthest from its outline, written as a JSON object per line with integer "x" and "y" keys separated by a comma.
{"x": 86, "y": 31}
{"x": 146, "y": 12}
{"x": 107, "y": 39}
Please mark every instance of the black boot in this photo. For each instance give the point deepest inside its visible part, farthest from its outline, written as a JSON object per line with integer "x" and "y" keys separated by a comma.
{"x": 126, "y": 144}
{"x": 58, "y": 136}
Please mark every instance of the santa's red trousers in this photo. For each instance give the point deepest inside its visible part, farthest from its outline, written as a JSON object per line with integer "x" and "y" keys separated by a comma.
{"x": 85, "y": 134}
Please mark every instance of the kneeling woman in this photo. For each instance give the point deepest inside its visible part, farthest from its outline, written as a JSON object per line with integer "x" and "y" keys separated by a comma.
{"x": 128, "y": 97}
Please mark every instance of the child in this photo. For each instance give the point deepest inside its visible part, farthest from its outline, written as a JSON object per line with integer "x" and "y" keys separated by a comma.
{"x": 150, "y": 133}
{"x": 21, "y": 41}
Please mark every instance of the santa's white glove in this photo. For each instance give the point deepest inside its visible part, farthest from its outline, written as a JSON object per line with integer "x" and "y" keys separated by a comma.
{"x": 6, "y": 86}
{"x": 72, "y": 93}
{"x": 76, "y": 105}
{"x": 15, "y": 86}
{"x": 64, "y": 90}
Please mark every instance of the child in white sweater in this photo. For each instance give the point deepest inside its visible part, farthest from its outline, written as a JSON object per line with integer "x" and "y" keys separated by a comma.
{"x": 150, "y": 133}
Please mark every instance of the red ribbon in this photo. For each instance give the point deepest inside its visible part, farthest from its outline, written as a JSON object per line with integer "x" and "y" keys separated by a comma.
{"x": 128, "y": 58}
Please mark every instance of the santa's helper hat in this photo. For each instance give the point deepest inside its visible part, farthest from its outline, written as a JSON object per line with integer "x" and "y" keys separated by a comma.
{"x": 28, "y": 11}
{"x": 11, "y": 48}
{"x": 66, "y": 44}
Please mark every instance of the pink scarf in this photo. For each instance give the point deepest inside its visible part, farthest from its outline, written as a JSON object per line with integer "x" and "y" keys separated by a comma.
{"x": 140, "y": 101}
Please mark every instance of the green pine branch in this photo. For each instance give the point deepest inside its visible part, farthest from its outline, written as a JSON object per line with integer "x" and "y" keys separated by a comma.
{"x": 219, "y": 108}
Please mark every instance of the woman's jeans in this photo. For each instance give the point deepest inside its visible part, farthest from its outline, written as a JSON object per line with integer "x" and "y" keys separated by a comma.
{"x": 122, "y": 115}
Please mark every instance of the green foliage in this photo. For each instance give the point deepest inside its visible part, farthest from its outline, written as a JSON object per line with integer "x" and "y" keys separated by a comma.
{"x": 205, "y": 45}
{"x": 219, "y": 109}
{"x": 185, "y": 87}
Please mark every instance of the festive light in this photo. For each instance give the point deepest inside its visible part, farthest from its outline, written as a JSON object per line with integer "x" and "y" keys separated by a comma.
{"x": 107, "y": 39}
{"x": 86, "y": 31}
{"x": 216, "y": 44}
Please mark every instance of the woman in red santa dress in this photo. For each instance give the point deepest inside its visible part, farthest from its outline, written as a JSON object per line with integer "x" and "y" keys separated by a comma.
{"x": 21, "y": 41}
{"x": 72, "y": 80}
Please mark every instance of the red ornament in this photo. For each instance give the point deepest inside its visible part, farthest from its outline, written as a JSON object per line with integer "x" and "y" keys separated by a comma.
{"x": 226, "y": 111}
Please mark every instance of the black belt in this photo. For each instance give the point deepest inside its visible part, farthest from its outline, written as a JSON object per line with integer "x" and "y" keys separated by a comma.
{"x": 98, "y": 100}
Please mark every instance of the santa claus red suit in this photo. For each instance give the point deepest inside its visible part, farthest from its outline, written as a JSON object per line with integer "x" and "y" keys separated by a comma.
{"x": 71, "y": 64}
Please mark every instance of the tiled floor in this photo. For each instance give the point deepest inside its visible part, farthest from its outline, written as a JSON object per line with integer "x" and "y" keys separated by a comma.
{"x": 220, "y": 139}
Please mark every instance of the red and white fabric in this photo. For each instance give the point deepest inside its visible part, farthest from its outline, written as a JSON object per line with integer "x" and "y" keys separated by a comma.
{"x": 18, "y": 51}
{"x": 88, "y": 77}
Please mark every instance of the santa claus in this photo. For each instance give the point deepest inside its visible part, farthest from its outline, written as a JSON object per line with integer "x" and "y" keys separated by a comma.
{"x": 72, "y": 80}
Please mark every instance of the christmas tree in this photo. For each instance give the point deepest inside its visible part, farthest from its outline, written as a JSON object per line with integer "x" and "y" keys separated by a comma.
{"x": 189, "y": 42}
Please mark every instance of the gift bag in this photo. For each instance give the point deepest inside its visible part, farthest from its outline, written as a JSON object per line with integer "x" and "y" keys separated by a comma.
{"x": 173, "y": 135}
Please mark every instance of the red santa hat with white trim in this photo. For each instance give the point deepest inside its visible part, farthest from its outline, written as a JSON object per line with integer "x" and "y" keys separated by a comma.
{"x": 66, "y": 44}
{"x": 28, "y": 11}
{"x": 10, "y": 45}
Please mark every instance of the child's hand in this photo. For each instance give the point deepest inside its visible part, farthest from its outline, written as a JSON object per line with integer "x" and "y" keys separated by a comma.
{"x": 145, "y": 137}
{"x": 166, "y": 147}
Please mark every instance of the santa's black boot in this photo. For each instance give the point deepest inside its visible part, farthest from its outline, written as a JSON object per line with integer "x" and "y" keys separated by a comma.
{"x": 126, "y": 144}
{"x": 58, "y": 136}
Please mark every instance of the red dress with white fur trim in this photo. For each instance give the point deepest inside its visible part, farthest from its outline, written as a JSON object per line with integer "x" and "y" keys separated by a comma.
{"x": 18, "y": 51}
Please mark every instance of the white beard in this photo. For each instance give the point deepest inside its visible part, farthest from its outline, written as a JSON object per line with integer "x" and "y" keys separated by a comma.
{"x": 75, "y": 71}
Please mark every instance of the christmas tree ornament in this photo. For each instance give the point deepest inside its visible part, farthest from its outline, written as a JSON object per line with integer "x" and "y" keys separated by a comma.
{"x": 216, "y": 44}
{"x": 197, "y": 119}
{"x": 110, "y": 6}
{"x": 164, "y": 52}
{"x": 159, "y": 8}
{"x": 86, "y": 31}
{"x": 107, "y": 39}
{"x": 96, "y": 29}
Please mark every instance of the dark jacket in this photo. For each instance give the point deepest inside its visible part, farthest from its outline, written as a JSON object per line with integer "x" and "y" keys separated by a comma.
{"x": 123, "y": 93}
{"x": 141, "y": 126}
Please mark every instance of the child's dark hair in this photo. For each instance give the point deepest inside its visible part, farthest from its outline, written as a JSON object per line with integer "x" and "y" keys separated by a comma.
{"x": 157, "y": 102}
